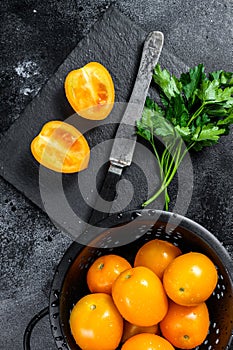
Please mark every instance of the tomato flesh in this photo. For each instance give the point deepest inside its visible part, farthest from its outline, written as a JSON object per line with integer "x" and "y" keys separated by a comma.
{"x": 61, "y": 147}
{"x": 90, "y": 91}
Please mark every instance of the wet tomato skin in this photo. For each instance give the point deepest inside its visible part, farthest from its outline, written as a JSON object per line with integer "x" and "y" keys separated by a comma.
{"x": 147, "y": 341}
{"x": 104, "y": 271}
{"x": 185, "y": 326}
{"x": 156, "y": 255}
{"x": 139, "y": 296}
{"x": 96, "y": 323}
{"x": 190, "y": 279}
{"x": 130, "y": 330}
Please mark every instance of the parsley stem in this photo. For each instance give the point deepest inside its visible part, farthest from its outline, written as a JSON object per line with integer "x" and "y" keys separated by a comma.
{"x": 171, "y": 169}
{"x": 195, "y": 115}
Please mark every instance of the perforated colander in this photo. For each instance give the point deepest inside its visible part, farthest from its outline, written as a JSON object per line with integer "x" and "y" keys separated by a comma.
{"x": 69, "y": 283}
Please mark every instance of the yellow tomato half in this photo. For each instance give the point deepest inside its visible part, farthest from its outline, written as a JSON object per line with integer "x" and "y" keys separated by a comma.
{"x": 90, "y": 91}
{"x": 61, "y": 147}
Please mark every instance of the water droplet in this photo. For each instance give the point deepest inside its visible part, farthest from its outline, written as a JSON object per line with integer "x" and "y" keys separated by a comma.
{"x": 56, "y": 293}
{"x": 55, "y": 303}
{"x": 55, "y": 315}
{"x": 60, "y": 338}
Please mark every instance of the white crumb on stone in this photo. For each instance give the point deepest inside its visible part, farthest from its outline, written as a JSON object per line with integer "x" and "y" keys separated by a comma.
{"x": 26, "y": 91}
{"x": 27, "y": 69}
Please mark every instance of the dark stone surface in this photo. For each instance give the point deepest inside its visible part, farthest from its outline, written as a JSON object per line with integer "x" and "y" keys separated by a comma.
{"x": 36, "y": 37}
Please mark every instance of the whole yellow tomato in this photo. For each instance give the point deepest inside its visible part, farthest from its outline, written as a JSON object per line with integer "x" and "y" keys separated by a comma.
{"x": 190, "y": 279}
{"x": 139, "y": 296}
{"x": 130, "y": 330}
{"x": 95, "y": 323}
{"x": 147, "y": 341}
{"x": 185, "y": 326}
{"x": 156, "y": 254}
{"x": 104, "y": 271}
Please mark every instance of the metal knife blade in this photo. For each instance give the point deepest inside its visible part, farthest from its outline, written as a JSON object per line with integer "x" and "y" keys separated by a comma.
{"x": 125, "y": 139}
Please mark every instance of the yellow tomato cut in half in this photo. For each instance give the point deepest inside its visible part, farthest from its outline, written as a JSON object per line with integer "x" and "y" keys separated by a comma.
{"x": 61, "y": 147}
{"x": 90, "y": 91}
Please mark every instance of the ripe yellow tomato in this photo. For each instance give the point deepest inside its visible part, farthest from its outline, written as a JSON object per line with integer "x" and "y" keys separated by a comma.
{"x": 130, "y": 330}
{"x": 104, "y": 271}
{"x": 96, "y": 323}
{"x": 185, "y": 326}
{"x": 90, "y": 91}
{"x": 147, "y": 341}
{"x": 139, "y": 296}
{"x": 156, "y": 255}
{"x": 190, "y": 279}
{"x": 61, "y": 147}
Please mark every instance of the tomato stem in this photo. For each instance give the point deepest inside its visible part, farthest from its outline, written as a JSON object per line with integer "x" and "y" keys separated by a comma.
{"x": 100, "y": 267}
{"x": 127, "y": 277}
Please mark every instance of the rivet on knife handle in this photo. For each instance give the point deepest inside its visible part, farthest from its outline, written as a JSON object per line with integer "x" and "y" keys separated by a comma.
{"x": 125, "y": 139}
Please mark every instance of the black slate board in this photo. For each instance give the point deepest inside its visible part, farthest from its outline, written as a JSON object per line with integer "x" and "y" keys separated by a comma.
{"x": 115, "y": 42}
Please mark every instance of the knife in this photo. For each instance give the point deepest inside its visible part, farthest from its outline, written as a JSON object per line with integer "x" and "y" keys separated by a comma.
{"x": 125, "y": 139}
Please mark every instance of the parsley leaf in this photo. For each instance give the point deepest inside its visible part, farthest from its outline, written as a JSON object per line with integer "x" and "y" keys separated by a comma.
{"x": 196, "y": 110}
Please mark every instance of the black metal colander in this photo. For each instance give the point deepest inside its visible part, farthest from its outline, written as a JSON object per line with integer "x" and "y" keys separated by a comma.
{"x": 69, "y": 283}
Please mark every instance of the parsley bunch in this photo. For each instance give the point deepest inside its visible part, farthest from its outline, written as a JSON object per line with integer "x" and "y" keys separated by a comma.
{"x": 195, "y": 110}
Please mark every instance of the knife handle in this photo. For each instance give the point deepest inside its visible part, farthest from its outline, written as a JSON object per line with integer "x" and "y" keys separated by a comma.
{"x": 108, "y": 192}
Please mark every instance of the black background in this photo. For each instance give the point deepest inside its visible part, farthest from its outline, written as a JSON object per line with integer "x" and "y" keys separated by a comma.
{"x": 35, "y": 39}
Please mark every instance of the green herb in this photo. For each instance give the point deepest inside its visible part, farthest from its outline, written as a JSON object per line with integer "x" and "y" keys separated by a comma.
{"x": 195, "y": 111}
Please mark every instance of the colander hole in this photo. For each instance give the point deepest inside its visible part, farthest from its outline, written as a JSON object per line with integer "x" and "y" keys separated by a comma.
{"x": 167, "y": 236}
{"x": 209, "y": 347}
{"x": 206, "y": 342}
{"x": 217, "y": 341}
{"x": 218, "y": 286}
{"x": 217, "y": 331}
{"x": 60, "y": 338}
{"x": 223, "y": 287}
{"x": 214, "y": 325}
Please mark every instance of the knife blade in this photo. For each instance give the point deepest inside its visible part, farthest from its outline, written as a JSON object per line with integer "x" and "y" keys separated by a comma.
{"x": 125, "y": 139}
